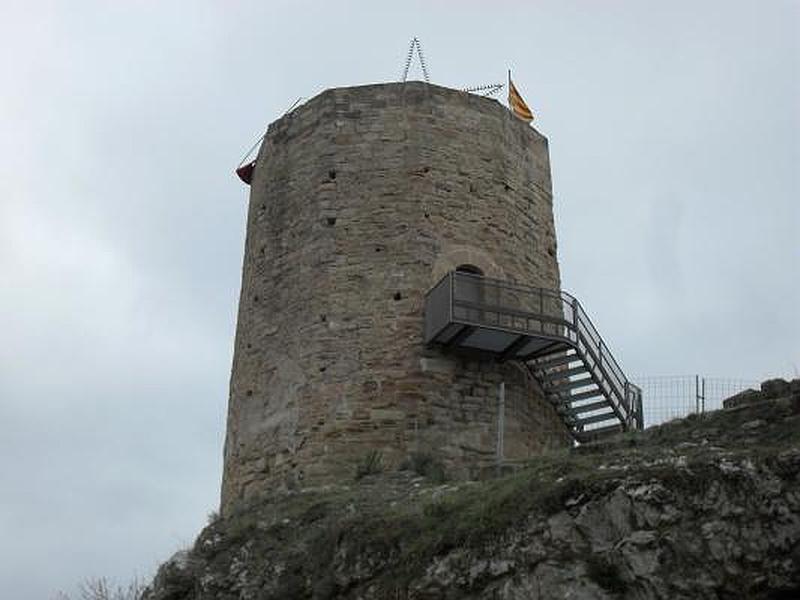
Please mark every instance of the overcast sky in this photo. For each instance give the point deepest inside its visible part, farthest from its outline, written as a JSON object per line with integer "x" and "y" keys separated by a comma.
{"x": 673, "y": 131}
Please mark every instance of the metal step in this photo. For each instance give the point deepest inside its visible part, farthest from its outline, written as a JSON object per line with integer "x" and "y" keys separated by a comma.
{"x": 607, "y": 416}
{"x": 566, "y": 400}
{"x": 554, "y": 362}
{"x": 570, "y": 385}
{"x": 589, "y": 407}
{"x": 583, "y": 395}
{"x": 600, "y": 433}
{"x": 555, "y": 375}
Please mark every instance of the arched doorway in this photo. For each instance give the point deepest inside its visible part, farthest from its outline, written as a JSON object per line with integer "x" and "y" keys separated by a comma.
{"x": 471, "y": 269}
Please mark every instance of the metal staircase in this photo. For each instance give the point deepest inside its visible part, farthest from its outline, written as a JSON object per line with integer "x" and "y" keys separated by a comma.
{"x": 549, "y": 332}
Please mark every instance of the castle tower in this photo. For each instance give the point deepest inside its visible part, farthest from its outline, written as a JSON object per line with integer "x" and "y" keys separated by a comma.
{"x": 362, "y": 200}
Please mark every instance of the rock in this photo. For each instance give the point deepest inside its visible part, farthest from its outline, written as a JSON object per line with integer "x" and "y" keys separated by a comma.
{"x": 742, "y": 398}
{"x": 771, "y": 389}
{"x": 775, "y": 388}
{"x": 174, "y": 579}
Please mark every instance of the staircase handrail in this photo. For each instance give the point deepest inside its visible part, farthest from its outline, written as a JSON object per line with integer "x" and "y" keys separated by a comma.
{"x": 617, "y": 380}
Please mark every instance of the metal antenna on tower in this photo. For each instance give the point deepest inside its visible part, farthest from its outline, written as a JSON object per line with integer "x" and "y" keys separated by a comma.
{"x": 489, "y": 89}
{"x": 295, "y": 103}
{"x": 415, "y": 46}
{"x": 422, "y": 61}
{"x": 409, "y": 56}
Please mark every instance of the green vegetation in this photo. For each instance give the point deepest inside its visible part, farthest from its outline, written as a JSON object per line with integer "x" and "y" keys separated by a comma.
{"x": 371, "y": 464}
{"x": 425, "y": 465}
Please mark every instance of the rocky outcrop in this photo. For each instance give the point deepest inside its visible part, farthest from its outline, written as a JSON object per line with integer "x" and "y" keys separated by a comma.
{"x": 704, "y": 507}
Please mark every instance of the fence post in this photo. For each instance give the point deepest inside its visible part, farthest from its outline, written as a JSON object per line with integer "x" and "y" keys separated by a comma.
{"x": 501, "y": 424}
{"x": 697, "y": 394}
{"x": 629, "y": 417}
{"x": 703, "y": 395}
{"x": 639, "y": 411}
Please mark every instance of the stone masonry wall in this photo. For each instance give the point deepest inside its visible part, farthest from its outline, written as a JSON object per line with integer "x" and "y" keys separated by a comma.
{"x": 362, "y": 199}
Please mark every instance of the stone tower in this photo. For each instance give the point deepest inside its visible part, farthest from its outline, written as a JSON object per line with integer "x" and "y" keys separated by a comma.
{"x": 362, "y": 199}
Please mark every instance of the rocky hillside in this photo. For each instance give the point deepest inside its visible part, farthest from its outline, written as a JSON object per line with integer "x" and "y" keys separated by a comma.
{"x": 704, "y": 507}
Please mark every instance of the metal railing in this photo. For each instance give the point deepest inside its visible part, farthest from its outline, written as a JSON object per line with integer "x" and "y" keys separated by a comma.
{"x": 678, "y": 396}
{"x": 538, "y": 312}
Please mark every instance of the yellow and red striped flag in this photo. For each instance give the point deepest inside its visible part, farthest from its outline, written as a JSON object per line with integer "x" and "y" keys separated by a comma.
{"x": 517, "y": 104}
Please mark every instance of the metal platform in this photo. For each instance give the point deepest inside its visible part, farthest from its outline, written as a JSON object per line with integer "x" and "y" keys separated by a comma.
{"x": 549, "y": 332}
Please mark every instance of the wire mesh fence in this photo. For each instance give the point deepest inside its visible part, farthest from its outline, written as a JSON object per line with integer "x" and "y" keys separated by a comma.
{"x": 672, "y": 397}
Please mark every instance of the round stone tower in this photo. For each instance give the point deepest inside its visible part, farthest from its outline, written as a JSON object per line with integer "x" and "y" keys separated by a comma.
{"x": 362, "y": 200}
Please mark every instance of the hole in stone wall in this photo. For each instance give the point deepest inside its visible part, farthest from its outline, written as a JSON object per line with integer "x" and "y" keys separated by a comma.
{"x": 263, "y": 207}
{"x": 471, "y": 269}
{"x": 255, "y": 298}
{"x": 426, "y": 169}
{"x": 471, "y": 188}
{"x": 249, "y": 393}
{"x": 322, "y": 369}
{"x": 262, "y": 250}
{"x": 323, "y": 318}
{"x": 331, "y": 221}
{"x": 427, "y": 215}
{"x": 551, "y": 250}
{"x": 332, "y": 174}
{"x": 378, "y": 249}
{"x": 398, "y": 296}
